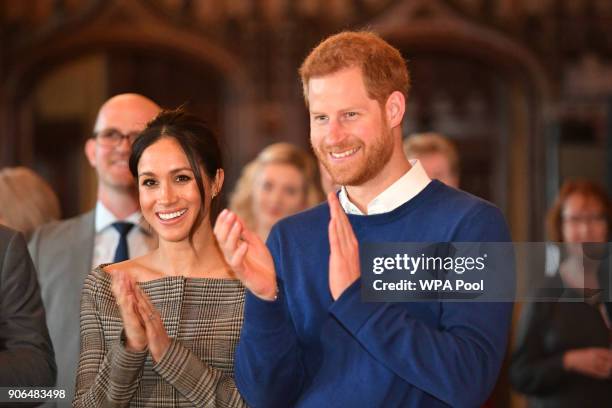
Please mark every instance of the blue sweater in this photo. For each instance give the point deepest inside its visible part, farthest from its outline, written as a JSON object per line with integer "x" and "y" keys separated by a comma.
{"x": 306, "y": 350}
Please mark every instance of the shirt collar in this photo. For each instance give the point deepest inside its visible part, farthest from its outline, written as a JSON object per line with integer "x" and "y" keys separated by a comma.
{"x": 104, "y": 217}
{"x": 401, "y": 191}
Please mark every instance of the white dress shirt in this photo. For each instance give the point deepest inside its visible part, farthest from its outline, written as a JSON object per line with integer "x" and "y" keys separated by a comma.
{"x": 404, "y": 189}
{"x": 139, "y": 240}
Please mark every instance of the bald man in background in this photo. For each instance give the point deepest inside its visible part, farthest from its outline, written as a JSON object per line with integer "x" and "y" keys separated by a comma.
{"x": 65, "y": 252}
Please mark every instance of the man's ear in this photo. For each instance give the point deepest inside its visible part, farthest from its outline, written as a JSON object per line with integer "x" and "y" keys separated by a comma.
{"x": 395, "y": 109}
{"x": 90, "y": 151}
{"x": 218, "y": 182}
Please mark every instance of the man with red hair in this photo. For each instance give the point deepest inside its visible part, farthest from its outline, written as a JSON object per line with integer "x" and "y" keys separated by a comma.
{"x": 308, "y": 339}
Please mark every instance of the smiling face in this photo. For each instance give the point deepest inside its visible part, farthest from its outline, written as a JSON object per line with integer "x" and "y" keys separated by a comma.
{"x": 278, "y": 192}
{"x": 126, "y": 114}
{"x": 348, "y": 130}
{"x": 168, "y": 191}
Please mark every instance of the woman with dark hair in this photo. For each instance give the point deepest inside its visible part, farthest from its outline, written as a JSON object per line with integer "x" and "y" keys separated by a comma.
{"x": 160, "y": 330}
{"x": 563, "y": 356}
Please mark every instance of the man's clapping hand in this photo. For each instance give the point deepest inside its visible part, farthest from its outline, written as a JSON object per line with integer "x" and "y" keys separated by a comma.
{"x": 247, "y": 255}
{"x": 344, "y": 266}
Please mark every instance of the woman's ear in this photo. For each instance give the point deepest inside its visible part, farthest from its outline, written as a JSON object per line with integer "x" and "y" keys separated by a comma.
{"x": 218, "y": 182}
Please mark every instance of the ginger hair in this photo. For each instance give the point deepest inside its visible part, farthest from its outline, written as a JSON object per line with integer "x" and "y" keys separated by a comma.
{"x": 382, "y": 66}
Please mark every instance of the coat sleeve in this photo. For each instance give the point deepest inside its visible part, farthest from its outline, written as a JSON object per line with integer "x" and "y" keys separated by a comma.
{"x": 27, "y": 357}
{"x": 457, "y": 362}
{"x": 459, "y": 359}
{"x": 201, "y": 384}
{"x": 108, "y": 374}
{"x": 268, "y": 365}
{"x": 532, "y": 370}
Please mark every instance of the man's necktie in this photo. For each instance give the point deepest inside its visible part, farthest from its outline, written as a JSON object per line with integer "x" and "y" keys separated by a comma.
{"x": 123, "y": 228}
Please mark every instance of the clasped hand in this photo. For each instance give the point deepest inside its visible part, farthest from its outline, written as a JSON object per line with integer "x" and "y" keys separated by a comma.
{"x": 252, "y": 262}
{"x": 141, "y": 321}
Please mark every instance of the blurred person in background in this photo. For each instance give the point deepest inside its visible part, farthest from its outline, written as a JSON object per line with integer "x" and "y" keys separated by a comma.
{"x": 26, "y": 353}
{"x": 562, "y": 356}
{"x": 281, "y": 181}
{"x": 437, "y": 154}
{"x": 27, "y": 200}
{"x": 65, "y": 252}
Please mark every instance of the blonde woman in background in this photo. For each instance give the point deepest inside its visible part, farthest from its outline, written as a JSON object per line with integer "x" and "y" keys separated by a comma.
{"x": 27, "y": 200}
{"x": 282, "y": 180}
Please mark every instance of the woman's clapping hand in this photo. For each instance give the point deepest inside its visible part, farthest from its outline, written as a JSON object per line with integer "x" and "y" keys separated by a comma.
{"x": 141, "y": 321}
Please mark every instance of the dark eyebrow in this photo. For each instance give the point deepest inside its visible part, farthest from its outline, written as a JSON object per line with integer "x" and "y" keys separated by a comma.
{"x": 174, "y": 171}
{"x": 181, "y": 169}
{"x": 106, "y": 129}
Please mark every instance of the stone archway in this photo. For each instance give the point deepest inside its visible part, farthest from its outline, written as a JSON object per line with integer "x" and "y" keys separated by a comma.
{"x": 431, "y": 28}
{"x": 135, "y": 29}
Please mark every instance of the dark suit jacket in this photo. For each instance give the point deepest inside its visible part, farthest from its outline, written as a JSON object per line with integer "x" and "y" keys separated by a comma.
{"x": 62, "y": 252}
{"x": 546, "y": 331}
{"x": 26, "y": 354}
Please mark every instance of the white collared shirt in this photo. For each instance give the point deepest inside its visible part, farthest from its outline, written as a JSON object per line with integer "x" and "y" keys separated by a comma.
{"x": 401, "y": 191}
{"x": 107, "y": 238}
